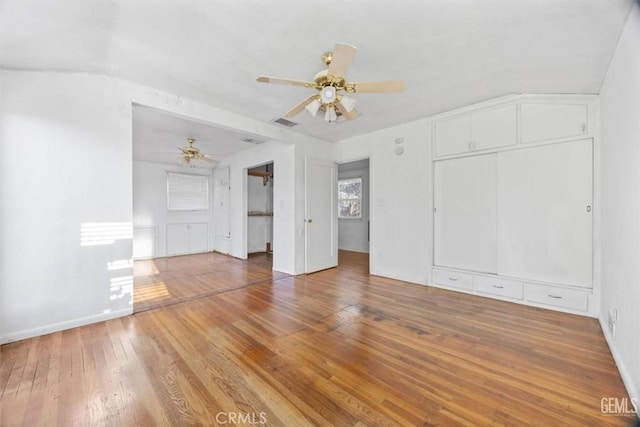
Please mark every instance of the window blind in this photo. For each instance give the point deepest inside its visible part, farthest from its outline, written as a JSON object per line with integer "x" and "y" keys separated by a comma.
{"x": 187, "y": 192}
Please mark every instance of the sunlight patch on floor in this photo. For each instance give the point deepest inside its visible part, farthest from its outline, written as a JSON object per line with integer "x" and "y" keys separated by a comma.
{"x": 153, "y": 291}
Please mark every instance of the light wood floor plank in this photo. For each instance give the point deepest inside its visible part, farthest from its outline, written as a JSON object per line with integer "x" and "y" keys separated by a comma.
{"x": 230, "y": 338}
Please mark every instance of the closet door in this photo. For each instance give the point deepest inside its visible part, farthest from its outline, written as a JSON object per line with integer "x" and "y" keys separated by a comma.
{"x": 544, "y": 209}
{"x": 465, "y": 213}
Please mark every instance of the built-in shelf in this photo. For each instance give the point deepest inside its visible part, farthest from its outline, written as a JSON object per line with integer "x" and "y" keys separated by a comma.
{"x": 265, "y": 175}
{"x": 260, "y": 213}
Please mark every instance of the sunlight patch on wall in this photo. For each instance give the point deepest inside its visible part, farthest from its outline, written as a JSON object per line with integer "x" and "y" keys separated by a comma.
{"x": 104, "y": 233}
{"x": 121, "y": 287}
{"x": 120, "y": 264}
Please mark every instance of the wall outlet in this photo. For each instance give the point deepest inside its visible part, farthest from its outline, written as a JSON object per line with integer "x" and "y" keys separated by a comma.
{"x": 613, "y": 318}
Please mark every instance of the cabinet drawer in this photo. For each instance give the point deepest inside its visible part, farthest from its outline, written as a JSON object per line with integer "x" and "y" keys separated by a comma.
{"x": 501, "y": 287}
{"x": 558, "y": 297}
{"x": 453, "y": 279}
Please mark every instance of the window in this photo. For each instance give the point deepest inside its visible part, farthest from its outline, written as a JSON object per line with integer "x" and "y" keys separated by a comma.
{"x": 187, "y": 192}
{"x": 350, "y": 198}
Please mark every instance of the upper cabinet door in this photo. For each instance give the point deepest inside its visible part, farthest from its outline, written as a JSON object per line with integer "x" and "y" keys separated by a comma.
{"x": 494, "y": 128}
{"x": 453, "y": 135}
{"x": 548, "y": 122}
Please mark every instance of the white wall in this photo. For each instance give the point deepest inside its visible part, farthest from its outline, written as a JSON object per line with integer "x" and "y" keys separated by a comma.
{"x": 400, "y": 194}
{"x": 284, "y": 203}
{"x": 78, "y": 131}
{"x": 65, "y": 163}
{"x": 150, "y": 202}
{"x": 620, "y": 106}
{"x": 353, "y": 234}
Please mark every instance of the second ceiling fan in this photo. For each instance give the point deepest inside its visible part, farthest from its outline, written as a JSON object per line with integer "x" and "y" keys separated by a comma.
{"x": 332, "y": 85}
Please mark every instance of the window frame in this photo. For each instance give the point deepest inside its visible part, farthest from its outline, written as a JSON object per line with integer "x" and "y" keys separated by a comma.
{"x": 353, "y": 178}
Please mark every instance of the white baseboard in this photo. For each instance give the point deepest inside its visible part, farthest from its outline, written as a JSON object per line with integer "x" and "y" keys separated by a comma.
{"x": 626, "y": 378}
{"x": 61, "y": 326}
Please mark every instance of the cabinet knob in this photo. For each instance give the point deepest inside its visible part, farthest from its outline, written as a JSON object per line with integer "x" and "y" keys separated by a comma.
{"x": 588, "y": 208}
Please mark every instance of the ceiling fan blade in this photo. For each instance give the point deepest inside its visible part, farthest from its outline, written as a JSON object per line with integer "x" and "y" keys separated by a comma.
{"x": 211, "y": 158}
{"x": 341, "y": 59}
{"x": 349, "y": 115}
{"x": 290, "y": 82}
{"x": 206, "y": 159}
{"x": 386, "y": 86}
{"x": 298, "y": 108}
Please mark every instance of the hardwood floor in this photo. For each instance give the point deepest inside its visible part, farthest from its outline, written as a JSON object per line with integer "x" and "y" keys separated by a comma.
{"x": 338, "y": 347}
{"x": 164, "y": 281}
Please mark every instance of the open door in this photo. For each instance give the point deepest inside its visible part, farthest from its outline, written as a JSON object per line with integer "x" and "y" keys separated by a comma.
{"x": 321, "y": 215}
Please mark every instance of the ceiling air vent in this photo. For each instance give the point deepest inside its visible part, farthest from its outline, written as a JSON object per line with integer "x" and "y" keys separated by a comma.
{"x": 253, "y": 140}
{"x": 285, "y": 122}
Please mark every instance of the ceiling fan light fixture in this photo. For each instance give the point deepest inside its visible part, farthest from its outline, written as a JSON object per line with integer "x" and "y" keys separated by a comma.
{"x": 328, "y": 94}
{"x": 348, "y": 103}
{"x": 330, "y": 115}
{"x": 313, "y": 107}
{"x": 331, "y": 83}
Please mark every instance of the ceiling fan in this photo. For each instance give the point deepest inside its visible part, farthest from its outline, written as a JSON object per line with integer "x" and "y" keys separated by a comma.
{"x": 191, "y": 156}
{"x": 332, "y": 84}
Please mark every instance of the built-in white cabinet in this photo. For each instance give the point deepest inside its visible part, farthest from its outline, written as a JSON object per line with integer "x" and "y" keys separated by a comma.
{"x": 187, "y": 238}
{"x": 507, "y": 289}
{"x": 552, "y": 121}
{"x": 481, "y": 130}
{"x": 499, "y": 287}
{"x": 515, "y": 220}
{"x": 494, "y": 127}
{"x": 453, "y": 135}
{"x": 465, "y": 213}
{"x": 453, "y": 279}
{"x": 569, "y": 299}
{"x": 545, "y": 198}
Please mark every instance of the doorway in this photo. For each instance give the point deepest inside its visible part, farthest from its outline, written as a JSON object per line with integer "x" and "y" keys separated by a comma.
{"x": 354, "y": 225}
{"x": 260, "y": 181}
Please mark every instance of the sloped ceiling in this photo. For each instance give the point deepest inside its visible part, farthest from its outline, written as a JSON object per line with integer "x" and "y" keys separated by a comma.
{"x": 449, "y": 52}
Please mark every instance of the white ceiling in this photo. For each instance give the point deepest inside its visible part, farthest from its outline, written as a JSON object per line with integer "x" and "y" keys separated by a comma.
{"x": 449, "y": 52}
{"x": 158, "y": 136}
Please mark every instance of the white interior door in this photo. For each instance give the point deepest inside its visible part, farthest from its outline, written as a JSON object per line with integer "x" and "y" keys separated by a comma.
{"x": 544, "y": 205}
{"x": 321, "y": 215}
{"x": 221, "y": 213}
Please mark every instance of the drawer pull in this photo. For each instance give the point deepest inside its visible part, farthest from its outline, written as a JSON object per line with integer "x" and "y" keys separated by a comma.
{"x": 498, "y": 287}
{"x": 554, "y": 296}
{"x": 453, "y": 279}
